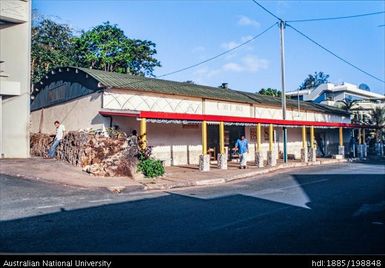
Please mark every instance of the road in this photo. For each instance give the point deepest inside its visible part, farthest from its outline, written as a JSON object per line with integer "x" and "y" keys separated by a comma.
{"x": 336, "y": 209}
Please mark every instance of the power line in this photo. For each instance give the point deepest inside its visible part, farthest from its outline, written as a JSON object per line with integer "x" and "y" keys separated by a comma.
{"x": 268, "y": 11}
{"x": 335, "y": 55}
{"x": 217, "y": 56}
{"x": 338, "y": 18}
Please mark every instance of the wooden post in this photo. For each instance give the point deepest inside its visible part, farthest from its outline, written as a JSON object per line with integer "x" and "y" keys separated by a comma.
{"x": 221, "y": 138}
{"x": 143, "y": 133}
{"x": 304, "y": 143}
{"x": 341, "y": 136}
{"x": 271, "y": 134}
{"x": 258, "y": 137}
{"x": 312, "y": 137}
{"x": 204, "y": 137}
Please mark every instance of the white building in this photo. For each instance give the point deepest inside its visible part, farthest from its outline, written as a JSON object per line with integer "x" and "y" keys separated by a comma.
{"x": 15, "y": 36}
{"x": 331, "y": 93}
{"x": 182, "y": 121}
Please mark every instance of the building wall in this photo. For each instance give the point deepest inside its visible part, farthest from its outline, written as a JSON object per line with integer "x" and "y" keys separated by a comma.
{"x": 175, "y": 144}
{"x": 15, "y": 34}
{"x": 143, "y": 101}
{"x": 81, "y": 113}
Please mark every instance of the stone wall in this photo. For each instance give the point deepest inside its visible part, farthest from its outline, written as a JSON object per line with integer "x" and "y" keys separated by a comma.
{"x": 94, "y": 153}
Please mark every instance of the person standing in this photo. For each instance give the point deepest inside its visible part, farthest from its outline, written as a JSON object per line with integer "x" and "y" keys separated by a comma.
{"x": 242, "y": 145}
{"x": 59, "y": 136}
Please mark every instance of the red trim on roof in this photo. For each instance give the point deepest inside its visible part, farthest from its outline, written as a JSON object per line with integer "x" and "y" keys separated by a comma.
{"x": 219, "y": 118}
{"x": 235, "y": 119}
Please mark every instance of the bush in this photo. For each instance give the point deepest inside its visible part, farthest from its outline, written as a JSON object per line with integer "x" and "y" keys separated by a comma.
{"x": 151, "y": 167}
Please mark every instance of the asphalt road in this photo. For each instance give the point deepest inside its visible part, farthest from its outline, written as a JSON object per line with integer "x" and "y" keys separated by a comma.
{"x": 320, "y": 210}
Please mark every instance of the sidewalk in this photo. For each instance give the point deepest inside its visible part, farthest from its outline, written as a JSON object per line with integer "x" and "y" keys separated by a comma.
{"x": 56, "y": 171}
{"x": 60, "y": 172}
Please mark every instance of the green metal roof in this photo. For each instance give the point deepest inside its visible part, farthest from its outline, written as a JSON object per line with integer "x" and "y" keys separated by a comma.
{"x": 140, "y": 83}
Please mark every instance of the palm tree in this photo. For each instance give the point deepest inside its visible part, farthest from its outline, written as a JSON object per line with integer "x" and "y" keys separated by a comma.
{"x": 377, "y": 120}
{"x": 348, "y": 104}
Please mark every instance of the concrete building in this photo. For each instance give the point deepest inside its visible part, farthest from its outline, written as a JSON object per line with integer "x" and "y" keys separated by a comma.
{"x": 15, "y": 36}
{"x": 331, "y": 93}
{"x": 183, "y": 122}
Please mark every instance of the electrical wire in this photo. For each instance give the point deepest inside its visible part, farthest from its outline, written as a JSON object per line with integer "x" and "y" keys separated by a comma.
{"x": 338, "y": 18}
{"x": 217, "y": 56}
{"x": 335, "y": 55}
{"x": 268, "y": 11}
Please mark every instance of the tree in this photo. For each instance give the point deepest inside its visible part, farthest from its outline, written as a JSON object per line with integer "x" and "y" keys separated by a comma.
{"x": 347, "y": 104}
{"x": 105, "y": 47}
{"x": 51, "y": 46}
{"x": 377, "y": 120}
{"x": 270, "y": 92}
{"x": 313, "y": 81}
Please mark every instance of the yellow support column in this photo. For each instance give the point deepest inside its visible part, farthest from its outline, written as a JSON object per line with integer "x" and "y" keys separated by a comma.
{"x": 204, "y": 137}
{"x": 271, "y": 134}
{"x": 341, "y": 136}
{"x": 259, "y": 137}
{"x": 363, "y": 136}
{"x": 312, "y": 137}
{"x": 221, "y": 138}
{"x": 304, "y": 143}
{"x": 143, "y": 133}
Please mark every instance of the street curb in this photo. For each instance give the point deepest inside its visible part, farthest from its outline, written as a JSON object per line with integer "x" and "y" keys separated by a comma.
{"x": 222, "y": 180}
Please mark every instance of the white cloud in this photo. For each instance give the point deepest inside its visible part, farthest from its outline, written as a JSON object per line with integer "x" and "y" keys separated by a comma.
{"x": 246, "y": 21}
{"x": 229, "y": 45}
{"x": 232, "y": 66}
{"x": 253, "y": 64}
{"x": 246, "y": 38}
{"x": 247, "y": 64}
{"x": 232, "y": 44}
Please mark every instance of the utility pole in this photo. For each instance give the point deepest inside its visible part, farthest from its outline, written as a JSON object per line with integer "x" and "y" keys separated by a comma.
{"x": 282, "y": 25}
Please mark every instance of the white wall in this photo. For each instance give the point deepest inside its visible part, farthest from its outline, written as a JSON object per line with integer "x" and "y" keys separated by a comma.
{"x": 81, "y": 113}
{"x": 15, "y": 52}
{"x": 173, "y": 143}
{"x": 139, "y": 101}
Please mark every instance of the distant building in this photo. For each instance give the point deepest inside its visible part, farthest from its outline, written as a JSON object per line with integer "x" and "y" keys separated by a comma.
{"x": 15, "y": 43}
{"x": 330, "y": 93}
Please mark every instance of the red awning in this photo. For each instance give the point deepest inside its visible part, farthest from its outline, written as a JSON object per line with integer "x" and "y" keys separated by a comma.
{"x": 220, "y": 118}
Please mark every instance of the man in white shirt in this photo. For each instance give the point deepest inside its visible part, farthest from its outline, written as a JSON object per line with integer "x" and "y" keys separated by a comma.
{"x": 59, "y": 136}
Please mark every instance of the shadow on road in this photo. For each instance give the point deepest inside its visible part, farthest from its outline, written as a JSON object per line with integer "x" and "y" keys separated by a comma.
{"x": 334, "y": 222}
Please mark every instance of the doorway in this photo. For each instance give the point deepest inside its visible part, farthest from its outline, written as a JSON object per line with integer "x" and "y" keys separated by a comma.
{"x": 232, "y": 133}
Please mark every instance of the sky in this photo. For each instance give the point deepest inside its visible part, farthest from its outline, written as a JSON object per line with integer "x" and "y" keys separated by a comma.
{"x": 188, "y": 32}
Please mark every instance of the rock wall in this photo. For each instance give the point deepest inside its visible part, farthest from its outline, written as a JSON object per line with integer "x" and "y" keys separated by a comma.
{"x": 94, "y": 153}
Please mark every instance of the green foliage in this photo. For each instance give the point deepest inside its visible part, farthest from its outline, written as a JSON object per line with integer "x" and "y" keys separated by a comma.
{"x": 347, "y": 104}
{"x": 105, "y": 47}
{"x": 270, "y": 92}
{"x": 313, "y": 81}
{"x": 51, "y": 46}
{"x": 151, "y": 167}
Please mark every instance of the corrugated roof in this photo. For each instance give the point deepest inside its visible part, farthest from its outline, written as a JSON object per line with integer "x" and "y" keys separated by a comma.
{"x": 140, "y": 83}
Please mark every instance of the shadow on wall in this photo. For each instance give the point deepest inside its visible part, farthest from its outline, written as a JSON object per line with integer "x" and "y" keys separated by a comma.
{"x": 241, "y": 223}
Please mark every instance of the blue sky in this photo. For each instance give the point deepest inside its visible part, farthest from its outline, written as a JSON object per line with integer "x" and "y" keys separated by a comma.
{"x": 187, "y": 32}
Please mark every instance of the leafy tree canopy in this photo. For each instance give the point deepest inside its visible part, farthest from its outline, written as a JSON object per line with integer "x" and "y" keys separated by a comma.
{"x": 51, "y": 46}
{"x": 313, "y": 81}
{"x": 270, "y": 92}
{"x": 104, "y": 47}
